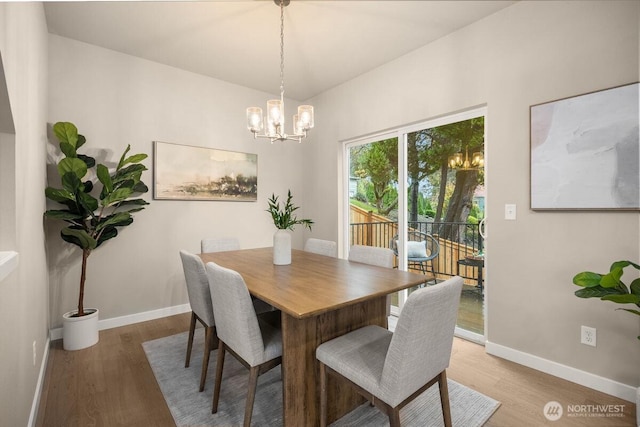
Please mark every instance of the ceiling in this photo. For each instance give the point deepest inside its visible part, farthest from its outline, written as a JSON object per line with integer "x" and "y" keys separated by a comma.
{"x": 326, "y": 42}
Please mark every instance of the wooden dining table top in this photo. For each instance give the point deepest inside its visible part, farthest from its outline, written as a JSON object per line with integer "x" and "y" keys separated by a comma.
{"x": 312, "y": 284}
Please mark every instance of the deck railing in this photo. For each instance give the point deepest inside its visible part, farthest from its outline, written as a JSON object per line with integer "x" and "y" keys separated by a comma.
{"x": 457, "y": 240}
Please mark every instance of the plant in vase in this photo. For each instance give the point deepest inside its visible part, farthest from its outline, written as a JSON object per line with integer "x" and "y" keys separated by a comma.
{"x": 609, "y": 287}
{"x": 284, "y": 219}
{"x": 92, "y": 221}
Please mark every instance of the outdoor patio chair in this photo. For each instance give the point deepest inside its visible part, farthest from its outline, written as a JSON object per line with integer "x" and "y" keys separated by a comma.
{"x": 422, "y": 249}
{"x": 391, "y": 369}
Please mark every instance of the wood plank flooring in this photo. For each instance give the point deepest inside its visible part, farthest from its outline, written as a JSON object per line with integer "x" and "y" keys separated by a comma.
{"x": 111, "y": 384}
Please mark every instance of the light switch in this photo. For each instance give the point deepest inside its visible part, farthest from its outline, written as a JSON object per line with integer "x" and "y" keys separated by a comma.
{"x": 510, "y": 212}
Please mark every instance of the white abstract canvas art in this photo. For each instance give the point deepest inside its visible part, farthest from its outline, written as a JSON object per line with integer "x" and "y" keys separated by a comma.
{"x": 585, "y": 151}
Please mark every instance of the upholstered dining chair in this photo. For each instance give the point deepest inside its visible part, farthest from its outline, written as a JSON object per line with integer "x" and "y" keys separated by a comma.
{"x": 201, "y": 308}
{"x": 391, "y": 369}
{"x": 219, "y": 244}
{"x": 321, "y": 247}
{"x": 255, "y": 340}
{"x": 373, "y": 255}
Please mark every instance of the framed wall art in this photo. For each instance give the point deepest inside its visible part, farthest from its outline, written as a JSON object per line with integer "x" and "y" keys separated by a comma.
{"x": 585, "y": 151}
{"x": 185, "y": 172}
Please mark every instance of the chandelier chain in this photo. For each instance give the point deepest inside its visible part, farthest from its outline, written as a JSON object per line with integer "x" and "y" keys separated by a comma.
{"x": 282, "y": 50}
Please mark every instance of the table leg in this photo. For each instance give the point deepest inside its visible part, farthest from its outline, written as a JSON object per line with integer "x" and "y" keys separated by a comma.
{"x": 300, "y": 370}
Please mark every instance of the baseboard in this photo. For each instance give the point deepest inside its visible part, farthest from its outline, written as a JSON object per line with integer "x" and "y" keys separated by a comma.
{"x": 605, "y": 385}
{"x": 35, "y": 405}
{"x": 56, "y": 334}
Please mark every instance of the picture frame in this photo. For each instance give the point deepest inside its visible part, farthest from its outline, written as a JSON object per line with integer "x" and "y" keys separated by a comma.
{"x": 585, "y": 151}
{"x": 186, "y": 172}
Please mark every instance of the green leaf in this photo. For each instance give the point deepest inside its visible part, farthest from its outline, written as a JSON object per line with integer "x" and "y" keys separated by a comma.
{"x": 89, "y": 161}
{"x": 130, "y": 172}
{"x": 68, "y": 149}
{"x": 71, "y": 182}
{"x": 72, "y": 164}
{"x": 107, "y": 233}
{"x": 117, "y": 196}
{"x": 81, "y": 141}
{"x": 66, "y": 132}
{"x": 63, "y": 215}
{"x": 140, "y": 187}
{"x": 121, "y": 162}
{"x": 136, "y": 158}
{"x": 635, "y": 287}
{"x": 631, "y": 311}
{"x": 138, "y": 202}
{"x": 79, "y": 237}
{"x": 587, "y": 279}
{"x": 88, "y": 203}
{"x": 623, "y": 299}
{"x": 58, "y": 195}
{"x": 121, "y": 219}
{"x": 612, "y": 279}
{"x": 595, "y": 292}
{"x": 105, "y": 178}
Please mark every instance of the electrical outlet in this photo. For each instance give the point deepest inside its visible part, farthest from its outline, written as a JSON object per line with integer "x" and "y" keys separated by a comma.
{"x": 588, "y": 336}
{"x": 34, "y": 353}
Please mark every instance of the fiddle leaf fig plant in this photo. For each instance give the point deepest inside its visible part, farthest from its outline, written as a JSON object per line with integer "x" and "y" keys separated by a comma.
{"x": 284, "y": 218}
{"x": 609, "y": 286}
{"x": 92, "y": 221}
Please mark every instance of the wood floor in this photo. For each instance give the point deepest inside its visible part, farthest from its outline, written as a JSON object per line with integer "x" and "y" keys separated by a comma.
{"x": 111, "y": 384}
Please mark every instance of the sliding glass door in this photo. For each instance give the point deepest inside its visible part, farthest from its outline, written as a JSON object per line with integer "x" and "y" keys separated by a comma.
{"x": 420, "y": 191}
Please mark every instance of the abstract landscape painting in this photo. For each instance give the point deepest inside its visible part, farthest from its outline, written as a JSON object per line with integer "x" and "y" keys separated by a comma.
{"x": 184, "y": 172}
{"x": 585, "y": 151}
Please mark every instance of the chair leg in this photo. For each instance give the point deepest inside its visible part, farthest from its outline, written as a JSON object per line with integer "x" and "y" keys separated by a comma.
{"x": 208, "y": 337}
{"x": 394, "y": 417}
{"x": 323, "y": 395}
{"x": 192, "y": 329}
{"x": 444, "y": 398}
{"x": 254, "y": 371}
{"x": 218, "y": 383}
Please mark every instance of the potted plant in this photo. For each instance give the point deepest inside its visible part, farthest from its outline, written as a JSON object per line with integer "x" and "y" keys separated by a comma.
{"x": 284, "y": 219}
{"x": 91, "y": 221}
{"x": 609, "y": 287}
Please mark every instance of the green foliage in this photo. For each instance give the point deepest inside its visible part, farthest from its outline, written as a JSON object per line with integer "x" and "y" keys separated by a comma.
{"x": 609, "y": 286}
{"x": 92, "y": 221}
{"x": 284, "y": 218}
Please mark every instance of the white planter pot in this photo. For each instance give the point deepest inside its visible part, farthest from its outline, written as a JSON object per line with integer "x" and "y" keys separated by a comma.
{"x": 282, "y": 247}
{"x": 79, "y": 332}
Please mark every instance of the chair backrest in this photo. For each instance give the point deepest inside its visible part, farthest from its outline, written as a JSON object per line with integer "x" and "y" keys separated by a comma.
{"x": 421, "y": 345}
{"x": 236, "y": 321}
{"x": 382, "y": 257}
{"x": 197, "y": 287}
{"x": 418, "y": 241}
{"x": 219, "y": 244}
{"x": 321, "y": 247}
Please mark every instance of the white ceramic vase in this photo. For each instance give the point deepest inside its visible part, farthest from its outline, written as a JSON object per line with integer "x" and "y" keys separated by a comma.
{"x": 282, "y": 247}
{"x": 80, "y": 332}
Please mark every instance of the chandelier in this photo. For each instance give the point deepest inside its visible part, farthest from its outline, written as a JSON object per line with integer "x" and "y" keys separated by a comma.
{"x": 457, "y": 161}
{"x": 273, "y": 123}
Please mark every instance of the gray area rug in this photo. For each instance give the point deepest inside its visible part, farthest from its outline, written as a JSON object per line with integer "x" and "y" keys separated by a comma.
{"x": 191, "y": 408}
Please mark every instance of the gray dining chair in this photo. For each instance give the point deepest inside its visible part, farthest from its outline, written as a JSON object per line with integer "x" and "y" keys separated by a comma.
{"x": 391, "y": 369}
{"x": 201, "y": 308}
{"x": 255, "y": 340}
{"x": 373, "y": 255}
{"x": 219, "y": 244}
{"x": 321, "y": 247}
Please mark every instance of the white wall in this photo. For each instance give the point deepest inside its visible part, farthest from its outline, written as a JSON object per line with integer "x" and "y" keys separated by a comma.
{"x": 526, "y": 54}
{"x": 116, "y": 100}
{"x": 24, "y": 301}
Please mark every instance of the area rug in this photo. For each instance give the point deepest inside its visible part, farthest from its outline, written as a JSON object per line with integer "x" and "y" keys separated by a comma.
{"x": 191, "y": 408}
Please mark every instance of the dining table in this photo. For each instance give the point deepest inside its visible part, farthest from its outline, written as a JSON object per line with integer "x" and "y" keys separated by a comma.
{"x": 320, "y": 298}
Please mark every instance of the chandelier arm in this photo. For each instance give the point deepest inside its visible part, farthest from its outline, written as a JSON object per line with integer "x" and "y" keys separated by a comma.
{"x": 282, "y": 53}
